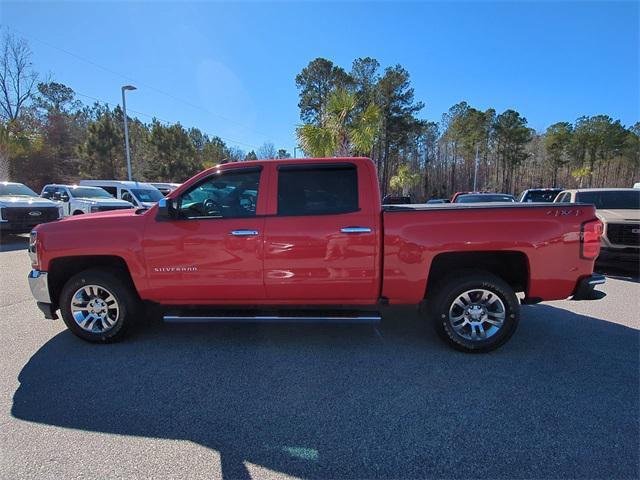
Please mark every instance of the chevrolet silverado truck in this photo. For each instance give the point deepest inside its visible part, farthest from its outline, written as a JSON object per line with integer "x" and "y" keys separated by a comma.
{"x": 308, "y": 239}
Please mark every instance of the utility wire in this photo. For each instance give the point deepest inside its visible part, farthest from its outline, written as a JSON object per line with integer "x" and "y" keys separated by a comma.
{"x": 133, "y": 80}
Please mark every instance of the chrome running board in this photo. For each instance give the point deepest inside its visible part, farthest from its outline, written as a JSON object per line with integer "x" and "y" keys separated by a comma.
{"x": 270, "y": 318}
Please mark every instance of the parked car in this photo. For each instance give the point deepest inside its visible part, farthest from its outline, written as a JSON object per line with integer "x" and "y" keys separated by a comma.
{"x": 309, "y": 240}
{"x": 457, "y": 194}
{"x": 540, "y": 195}
{"x": 636, "y": 185}
{"x": 165, "y": 188}
{"x": 77, "y": 200}
{"x": 484, "y": 197}
{"x": 21, "y": 208}
{"x": 619, "y": 211}
{"x": 141, "y": 195}
{"x": 396, "y": 199}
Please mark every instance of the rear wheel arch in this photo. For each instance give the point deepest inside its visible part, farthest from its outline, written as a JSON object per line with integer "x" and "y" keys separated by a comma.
{"x": 510, "y": 266}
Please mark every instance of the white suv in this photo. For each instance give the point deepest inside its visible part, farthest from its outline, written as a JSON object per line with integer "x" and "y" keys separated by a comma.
{"x": 77, "y": 200}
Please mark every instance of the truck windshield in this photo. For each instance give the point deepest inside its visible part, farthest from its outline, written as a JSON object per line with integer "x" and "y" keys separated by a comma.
{"x": 147, "y": 195}
{"x": 16, "y": 189}
{"x": 612, "y": 199}
{"x": 89, "y": 192}
{"x": 484, "y": 198}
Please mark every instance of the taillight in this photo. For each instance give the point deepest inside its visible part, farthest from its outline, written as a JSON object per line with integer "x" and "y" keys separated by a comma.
{"x": 590, "y": 234}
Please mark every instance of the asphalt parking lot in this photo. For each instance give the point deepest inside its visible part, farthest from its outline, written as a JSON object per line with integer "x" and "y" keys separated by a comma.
{"x": 560, "y": 400}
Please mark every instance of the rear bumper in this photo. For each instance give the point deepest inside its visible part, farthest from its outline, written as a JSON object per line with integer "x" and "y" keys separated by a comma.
{"x": 586, "y": 288}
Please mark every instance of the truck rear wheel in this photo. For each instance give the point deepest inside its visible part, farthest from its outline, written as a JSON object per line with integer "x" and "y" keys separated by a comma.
{"x": 98, "y": 306}
{"x": 474, "y": 311}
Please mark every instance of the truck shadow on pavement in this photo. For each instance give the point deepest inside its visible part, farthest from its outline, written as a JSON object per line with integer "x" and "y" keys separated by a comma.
{"x": 559, "y": 400}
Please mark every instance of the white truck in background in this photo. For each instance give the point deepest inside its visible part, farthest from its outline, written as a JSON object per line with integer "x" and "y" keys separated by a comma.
{"x": 77, "y": 200}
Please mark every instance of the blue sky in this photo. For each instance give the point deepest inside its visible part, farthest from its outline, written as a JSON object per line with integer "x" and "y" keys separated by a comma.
{"x": 229, "y": 68}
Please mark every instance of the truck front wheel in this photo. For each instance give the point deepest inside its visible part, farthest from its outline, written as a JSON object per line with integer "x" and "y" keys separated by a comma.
{"x": 98, "y": 306}
{"x": 474, "y": 311}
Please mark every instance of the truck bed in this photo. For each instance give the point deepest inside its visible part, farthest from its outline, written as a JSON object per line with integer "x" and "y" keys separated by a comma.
{"x": 544, "y": 236}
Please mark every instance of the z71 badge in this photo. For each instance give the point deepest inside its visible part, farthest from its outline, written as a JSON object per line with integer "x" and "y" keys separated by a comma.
{"x": 564, "y": 213}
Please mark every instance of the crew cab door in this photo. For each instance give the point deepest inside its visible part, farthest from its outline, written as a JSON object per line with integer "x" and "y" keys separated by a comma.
{"x": 321, "y": 245}
{"x": 210, "y": 250}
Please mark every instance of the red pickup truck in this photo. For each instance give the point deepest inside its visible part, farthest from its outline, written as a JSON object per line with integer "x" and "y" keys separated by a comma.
{"x": 295, "y": 240}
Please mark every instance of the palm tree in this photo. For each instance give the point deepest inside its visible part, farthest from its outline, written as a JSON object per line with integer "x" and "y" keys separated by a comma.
{"x": 403, "y": 179}
{"x": 343, "y": 130}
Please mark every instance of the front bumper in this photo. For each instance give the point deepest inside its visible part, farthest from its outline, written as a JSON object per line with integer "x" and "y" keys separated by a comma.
{"x": 16, "y": 227}
{"x": 39, "y": 285}
{"x": 586, "y": 288}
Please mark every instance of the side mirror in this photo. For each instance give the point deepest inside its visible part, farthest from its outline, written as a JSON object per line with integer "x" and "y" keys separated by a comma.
{"x": 46, "y": 195}
{"x": 64, "y": 197}
{"x": 166, "y": 209}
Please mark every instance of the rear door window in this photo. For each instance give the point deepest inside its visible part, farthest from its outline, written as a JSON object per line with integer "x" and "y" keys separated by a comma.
{"x": 317, "y": 189}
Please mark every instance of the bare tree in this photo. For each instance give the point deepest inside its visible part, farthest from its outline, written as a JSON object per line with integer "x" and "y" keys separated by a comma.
{"x": 17, "y": 78}
{"x": 267, "y": 151}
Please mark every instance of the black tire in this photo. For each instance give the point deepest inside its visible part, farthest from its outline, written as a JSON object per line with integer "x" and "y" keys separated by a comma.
{"x": 127, "y": 303}
{"x": 452, "y": 287}
{"x": 78, "y": 212}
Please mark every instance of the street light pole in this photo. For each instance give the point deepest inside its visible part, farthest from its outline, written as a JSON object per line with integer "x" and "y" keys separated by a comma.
{"x": 475, "y": 170}
{"x": 126, "y": 128}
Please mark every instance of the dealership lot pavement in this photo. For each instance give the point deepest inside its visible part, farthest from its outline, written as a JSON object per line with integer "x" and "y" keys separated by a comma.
{"x": 561, "y": 399}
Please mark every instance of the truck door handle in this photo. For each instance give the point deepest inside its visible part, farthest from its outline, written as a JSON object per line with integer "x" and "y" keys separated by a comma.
{"x": 244, "y": 233}
{"x": 355, "y": 230}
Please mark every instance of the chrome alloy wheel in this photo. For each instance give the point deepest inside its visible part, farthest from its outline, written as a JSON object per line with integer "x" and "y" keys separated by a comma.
{"x": 94, "y": 308}
{"x": 477, "y": 314}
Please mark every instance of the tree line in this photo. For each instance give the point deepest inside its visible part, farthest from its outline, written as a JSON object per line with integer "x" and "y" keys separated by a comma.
{"x": 48, "y": 135}
{"x": 373, "y": 112}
